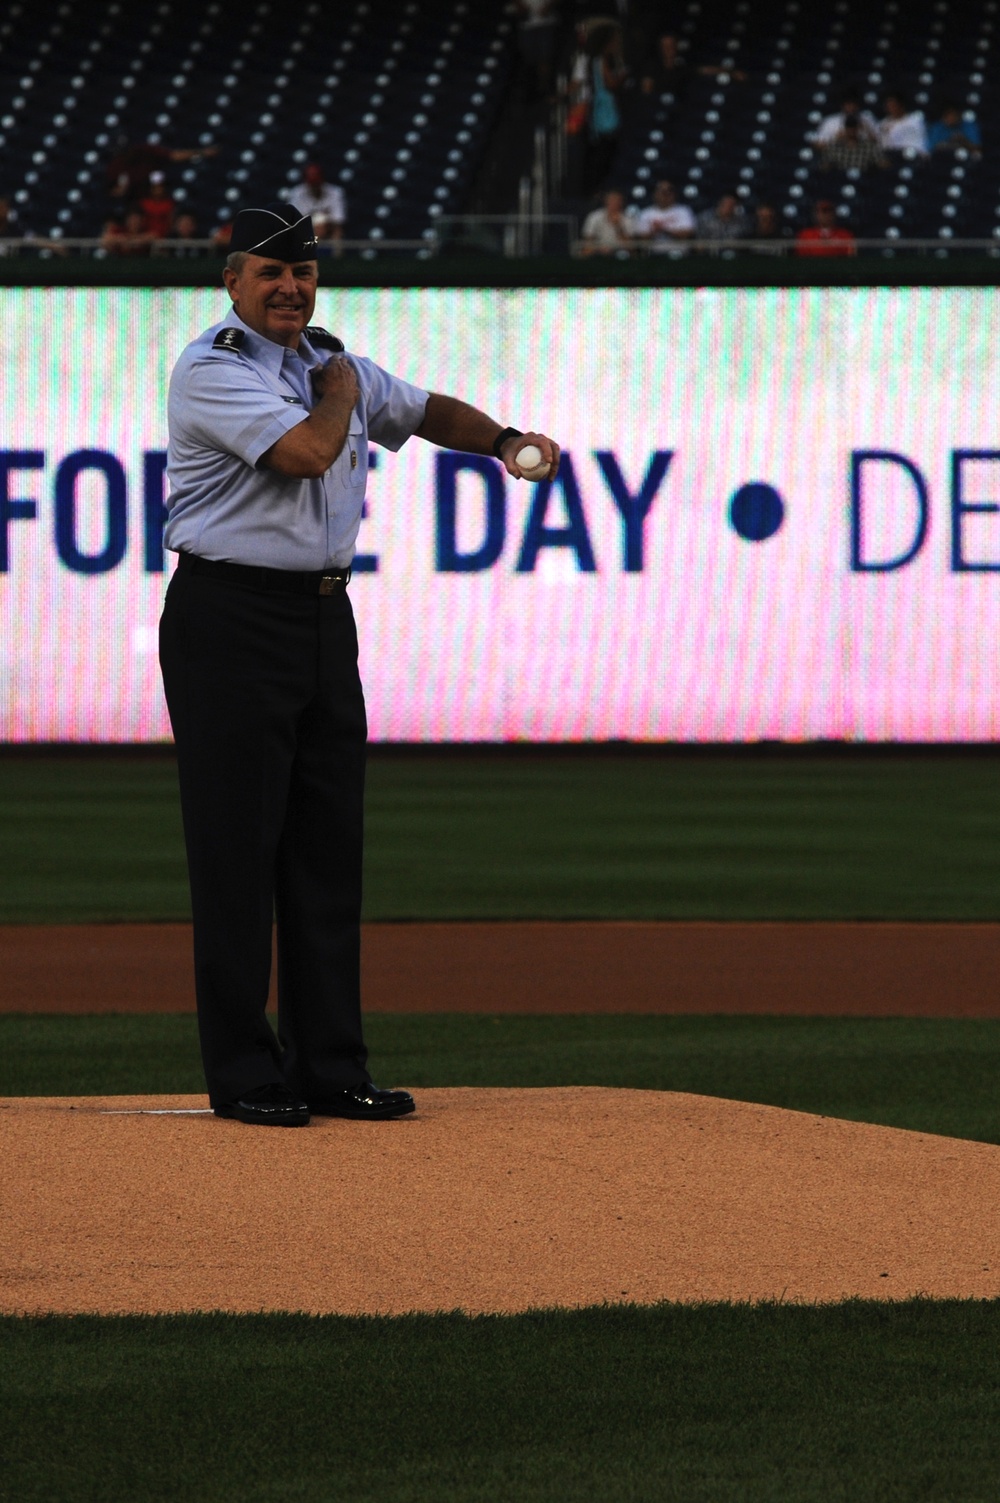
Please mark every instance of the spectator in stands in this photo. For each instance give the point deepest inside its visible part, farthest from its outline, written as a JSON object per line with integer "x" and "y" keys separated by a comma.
{"x": 607, "y": 231}
{"x": 666, "y": 73}
{"x": 158, "y": 207}
{"x": 127, "y": 237}
{"x": 850, "y": 109}
{"x": 221, "y": 236}
{"x": 952, "y": 130}
{"x": 853, "y": 147}
{"x": 767, "y": 234}
{"x": 578, "y": 92}
{"x": 185, "y": 232}
{"x": 537, "y": 31}
{"x": 902, "y": 129}
{"x": 825, "y": 237}
{"x": 324, "y": 201}
{"x": 130, "y": 168}
{"x": 607, "y": 76}
{"x": 666, "y": 224}
{"x": 577, "y": 115}
{"x": 727, "y": 221}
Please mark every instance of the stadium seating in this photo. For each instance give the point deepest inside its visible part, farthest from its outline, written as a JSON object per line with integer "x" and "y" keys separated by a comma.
{"x": 397, "y": 99}
{"x": 750, "y": 134}
{"x": 394, "y": 99}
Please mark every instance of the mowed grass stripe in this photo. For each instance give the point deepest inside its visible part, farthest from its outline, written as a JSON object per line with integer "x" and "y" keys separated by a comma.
{"x": 927, "y": 1074}
{"x": 781, "y": 836}
{"x": 857, "y": 1403}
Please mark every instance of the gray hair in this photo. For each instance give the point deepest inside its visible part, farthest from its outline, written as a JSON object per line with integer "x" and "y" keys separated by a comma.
{"x": 236, "y": 260}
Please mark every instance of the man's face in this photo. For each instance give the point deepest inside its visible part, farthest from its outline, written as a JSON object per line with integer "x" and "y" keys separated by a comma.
{"x": 274, "y": 298}
{"x": 663, "y": 195}
{"x": 894, "y": 107}
{"x": 727, "y": 206}
{"x": 826, "y": 216}
{"x": 614, "y": 203}
{"x": 314, "y": 175}
{"x": 766, "y": 220}
{"x": 187, "y": 226}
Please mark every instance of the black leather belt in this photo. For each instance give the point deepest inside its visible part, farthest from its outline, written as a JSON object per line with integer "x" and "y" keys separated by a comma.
{"x": 273, "y": 581}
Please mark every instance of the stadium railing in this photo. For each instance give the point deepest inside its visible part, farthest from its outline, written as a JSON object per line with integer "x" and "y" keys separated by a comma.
{"x": 511, "y": 236}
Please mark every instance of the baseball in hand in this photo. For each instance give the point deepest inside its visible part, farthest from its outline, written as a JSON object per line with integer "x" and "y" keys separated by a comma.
{"x": 530, "y": 463}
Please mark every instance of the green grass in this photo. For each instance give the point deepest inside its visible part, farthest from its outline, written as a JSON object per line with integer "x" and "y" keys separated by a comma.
{"x": 857, "y": 1403}
{"x": 86, "y": 840}
{"x": 932, "y": 1075}
{"x": 679, "y": 836}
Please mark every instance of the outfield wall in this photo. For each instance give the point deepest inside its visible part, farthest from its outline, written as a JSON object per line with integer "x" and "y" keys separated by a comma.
{"x": 778, "y": 514}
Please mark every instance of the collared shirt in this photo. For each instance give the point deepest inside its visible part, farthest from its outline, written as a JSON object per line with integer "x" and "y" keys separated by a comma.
{"x": 225, "y": 409}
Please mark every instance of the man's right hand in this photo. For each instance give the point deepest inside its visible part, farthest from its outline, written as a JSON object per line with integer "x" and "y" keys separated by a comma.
{"x": 309, "y": 449}
{"x": 336, "y": 380}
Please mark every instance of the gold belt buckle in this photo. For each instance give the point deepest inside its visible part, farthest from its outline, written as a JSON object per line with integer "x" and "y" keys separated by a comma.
{"x": 326, "y": 584}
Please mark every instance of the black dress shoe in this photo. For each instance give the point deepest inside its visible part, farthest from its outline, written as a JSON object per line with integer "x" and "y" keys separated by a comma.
{"x": 267, "y": 1106}
{"x": 365, "y": 1103}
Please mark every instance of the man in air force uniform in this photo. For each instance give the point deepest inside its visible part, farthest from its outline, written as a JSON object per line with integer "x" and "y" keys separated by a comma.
{"x": 269, "y": 424}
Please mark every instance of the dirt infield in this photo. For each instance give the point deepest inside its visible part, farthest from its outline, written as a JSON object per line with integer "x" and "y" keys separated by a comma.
{"x": 484, "y": 1200}
{"x": 885, "y": 969}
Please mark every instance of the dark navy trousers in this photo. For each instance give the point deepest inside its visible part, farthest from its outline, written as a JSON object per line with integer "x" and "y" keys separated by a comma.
{"x": 268, "y": 716}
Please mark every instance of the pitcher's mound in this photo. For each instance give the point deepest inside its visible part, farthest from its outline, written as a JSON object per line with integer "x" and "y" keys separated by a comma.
{"x": 484, "y": 1200}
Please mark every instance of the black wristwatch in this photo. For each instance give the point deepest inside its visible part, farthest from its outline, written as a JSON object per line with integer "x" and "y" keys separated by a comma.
{"x": 502, "y": 437}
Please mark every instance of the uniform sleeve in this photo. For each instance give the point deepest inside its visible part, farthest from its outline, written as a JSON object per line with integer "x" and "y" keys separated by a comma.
{"x": 394, "y": 408}
{"x": 224, "y": 404}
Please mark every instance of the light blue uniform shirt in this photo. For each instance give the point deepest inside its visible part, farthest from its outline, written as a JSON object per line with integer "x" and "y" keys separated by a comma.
{"x": 225, "y": 409}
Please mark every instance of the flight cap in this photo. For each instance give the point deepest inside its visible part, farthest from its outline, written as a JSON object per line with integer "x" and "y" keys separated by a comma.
{"x": 277, "y": 230}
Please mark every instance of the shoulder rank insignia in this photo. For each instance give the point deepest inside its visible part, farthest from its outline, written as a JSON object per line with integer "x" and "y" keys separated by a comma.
{"x": 320, "y": 339}
{"x": 229, "y": 339}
